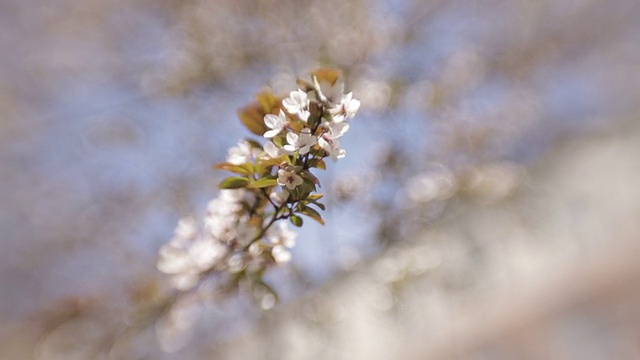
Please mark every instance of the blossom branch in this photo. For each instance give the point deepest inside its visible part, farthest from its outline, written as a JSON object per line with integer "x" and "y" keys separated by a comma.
{"x": 239, "y": 238}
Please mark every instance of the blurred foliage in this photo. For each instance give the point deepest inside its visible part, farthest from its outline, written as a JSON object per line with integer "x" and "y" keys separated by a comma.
{"x": 113, "y": 112}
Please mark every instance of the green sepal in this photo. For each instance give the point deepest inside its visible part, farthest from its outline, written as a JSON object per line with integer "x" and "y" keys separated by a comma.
{"x": 279, "y": 141}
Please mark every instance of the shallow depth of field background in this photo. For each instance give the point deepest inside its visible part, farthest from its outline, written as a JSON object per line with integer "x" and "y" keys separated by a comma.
{"x": 488, "y": 206}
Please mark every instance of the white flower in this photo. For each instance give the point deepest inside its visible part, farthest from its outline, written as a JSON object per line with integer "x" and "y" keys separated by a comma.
{"x": 242, "y": 153}
{"x": 222, "y": 228}
{"x": 346, "y": 109}
{"x": 221, "y": 221}
{"x": 336, "y": 129}
{"x": 272, "y": 150}
{"x": 236, "y": 263}
{"x": 244, "y": 232}
{"x": 302, "y": 142}
{"x": 174, "y": 259}
{"x": 282, "y": 240}
{"x": 232, "y": 195}
{"x": 184, "y": 281}
{"x": 279, "y": 197}
{"x": 332, "y": 146}
{"x": 275, "y": 123}
{"x": 298, "y": 104}
{"x": 185, "y": 231}
{"x": 280, "y": 234}
{"x": 255, "y": 249}
{"x": 281, "y": 254}
{"x": 327, "y": 92}
{"x": 219, "y": 207}
{"x": 206, "y": 253}
{"x": 289, "y": 179}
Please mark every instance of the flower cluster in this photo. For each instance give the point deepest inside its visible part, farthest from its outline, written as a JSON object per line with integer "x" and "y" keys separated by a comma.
{"x": 244, "y": 232}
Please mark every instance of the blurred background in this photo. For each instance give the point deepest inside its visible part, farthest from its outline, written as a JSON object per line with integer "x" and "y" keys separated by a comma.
{"x": 487, "y": 209}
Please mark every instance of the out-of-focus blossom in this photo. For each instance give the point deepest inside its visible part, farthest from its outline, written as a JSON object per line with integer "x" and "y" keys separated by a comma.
{"x": 242, "y": 153}
{"x": 192, "y": 252}
{"x": 281, "y": 254}
{"x": 282, "y": 239}
{"x": 279, "y": 197}
{"x": 427, "y": 187}
{"x": 206, "y": 252}
{"x": 186, "y": 229}
{"x": 236, "y": 263}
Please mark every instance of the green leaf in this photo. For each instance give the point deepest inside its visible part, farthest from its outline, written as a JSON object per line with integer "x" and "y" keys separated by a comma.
{"x": 309, "y": 176}
{"x": 242, "y": 169}
{"x": 296, "y": 220}
{"x": 312, "y": 214}
{"x": 312, "y": 121}
{"x": 276, "y": 161}
{"x": 234, "y": 182}
{"x": 263, "y": 168}
{"x": 318, "y": 204}
{"x": 318, "y": 164}
{"x": 302, "y": 191}
{"x": 262, "y": 183}
{"x": 315, "y": 196}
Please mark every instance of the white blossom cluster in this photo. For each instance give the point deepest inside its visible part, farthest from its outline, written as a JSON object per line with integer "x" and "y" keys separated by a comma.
{"x": 236, "y": 235}
{"x": 219, "y": 245}
{"x": 341, "y": 108}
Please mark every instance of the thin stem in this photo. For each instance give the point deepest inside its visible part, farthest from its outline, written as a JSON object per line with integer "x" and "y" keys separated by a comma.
{"x": 269, "y": 198}
{"x": 263, "y": 231}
